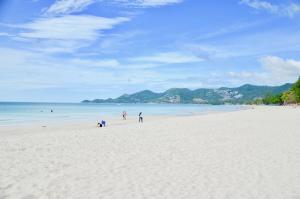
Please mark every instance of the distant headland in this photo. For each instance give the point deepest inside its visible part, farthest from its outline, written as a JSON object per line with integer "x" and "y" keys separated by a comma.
{"x": 240, "y": 95}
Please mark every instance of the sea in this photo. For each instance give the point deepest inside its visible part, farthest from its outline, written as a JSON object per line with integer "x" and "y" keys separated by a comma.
{"x": 12, "y": 113}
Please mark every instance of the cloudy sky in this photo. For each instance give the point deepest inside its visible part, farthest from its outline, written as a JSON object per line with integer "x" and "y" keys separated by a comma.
{"x": 70, "y": 50}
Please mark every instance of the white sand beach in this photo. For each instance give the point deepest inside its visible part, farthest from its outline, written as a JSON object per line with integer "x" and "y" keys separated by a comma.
{"x": 253, "y": 153}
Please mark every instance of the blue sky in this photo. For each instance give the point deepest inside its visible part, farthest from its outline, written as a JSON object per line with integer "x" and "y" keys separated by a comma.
{"x": 70, "y": 50}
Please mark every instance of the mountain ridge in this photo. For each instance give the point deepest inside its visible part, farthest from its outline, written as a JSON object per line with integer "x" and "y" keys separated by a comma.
{"x": 236, "y": 95}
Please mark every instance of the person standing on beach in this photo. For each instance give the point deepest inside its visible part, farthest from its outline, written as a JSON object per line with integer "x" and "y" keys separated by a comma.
{"x": 124, "y": 114}
{"x": 140, "y": 117}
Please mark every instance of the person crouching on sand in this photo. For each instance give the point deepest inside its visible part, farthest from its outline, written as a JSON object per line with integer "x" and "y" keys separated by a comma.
{"x": 101, "y": 124}
{"x": 140, "y": 117}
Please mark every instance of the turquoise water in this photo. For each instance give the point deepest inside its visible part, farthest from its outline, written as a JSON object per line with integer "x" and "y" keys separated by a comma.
{"x": 14, "y": 113}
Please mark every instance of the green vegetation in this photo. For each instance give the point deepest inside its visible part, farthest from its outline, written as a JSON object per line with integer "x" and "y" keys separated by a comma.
{"x": 273, "y": 99}
{"x": 288, "y": 97}
{"x": 292, "y": 96}
{"x": 296, "y": 90}
{"x": 255, "y": 102}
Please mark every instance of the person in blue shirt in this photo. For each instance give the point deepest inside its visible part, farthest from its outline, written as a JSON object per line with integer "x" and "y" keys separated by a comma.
{"x": 103, "y": 123}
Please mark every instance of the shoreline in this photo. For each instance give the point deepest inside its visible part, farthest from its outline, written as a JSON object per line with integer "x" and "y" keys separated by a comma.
{"x": 112, "y": 121}
{"x": 91, "y": 119}
{"x": 91, "y": 123}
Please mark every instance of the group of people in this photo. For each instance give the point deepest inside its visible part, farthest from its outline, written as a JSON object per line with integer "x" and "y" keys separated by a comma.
{"x": 124, "y": 115}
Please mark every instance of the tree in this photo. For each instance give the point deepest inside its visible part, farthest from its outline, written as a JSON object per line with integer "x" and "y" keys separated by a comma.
{"x": 296, "y": 90}
{"x": 289, "y": 97}
{"x": 293, "y": 95}
{"x": 273, "y": 99}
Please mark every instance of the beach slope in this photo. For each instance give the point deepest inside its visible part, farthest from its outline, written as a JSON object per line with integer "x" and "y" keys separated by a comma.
{"x": 253, "y": 153}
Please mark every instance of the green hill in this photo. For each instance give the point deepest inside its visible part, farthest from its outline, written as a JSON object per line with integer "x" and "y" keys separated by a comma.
{"x": 239, "y": 95}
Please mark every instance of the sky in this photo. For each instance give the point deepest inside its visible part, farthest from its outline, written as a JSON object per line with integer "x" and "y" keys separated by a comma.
{"x": 71, "y": 50}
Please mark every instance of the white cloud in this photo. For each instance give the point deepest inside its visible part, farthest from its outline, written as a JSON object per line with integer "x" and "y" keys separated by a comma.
{"x": 281, "y": 9}
{"x": 229, "y": 29}
{"x": 115, "y": 43}
{"x": 24, "y": 74}
{"x": 258, "y": 4}
{"x": 51, "y": 46}
{"x": 58, "y": 31}
{"x": 275, "y": 71}
{"x": 62, "y": 7}
{"x": 292, "y": 9}
{"x": 11, "y": 58}
{"x": 63, "y": 34}
{"x": 91, "y": 63}
{"x": 4, "y": 34}
{"x": 208, "y": 51}
{"x": 169, "y": 58}
{"x": 140, "y": 66}
{"x": 149, "y": 3}
{"x": 268, "y": 42}
{"x": 69, "y": 27}
{"x": 28, "y": 70}
{"x": 285, "y": 69}
{"x": 68, "y": 6}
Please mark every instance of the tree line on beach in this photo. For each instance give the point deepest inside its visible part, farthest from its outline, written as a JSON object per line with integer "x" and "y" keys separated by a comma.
{"x": 292, "y": 96}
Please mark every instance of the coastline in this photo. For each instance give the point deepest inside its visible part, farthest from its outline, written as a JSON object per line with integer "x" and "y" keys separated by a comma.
{"x": 24, "y": 114}
{"x": 252, "y": 153}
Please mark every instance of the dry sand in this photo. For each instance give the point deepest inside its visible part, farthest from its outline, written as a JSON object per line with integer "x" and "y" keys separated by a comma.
{"x": 252, "y": 153}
